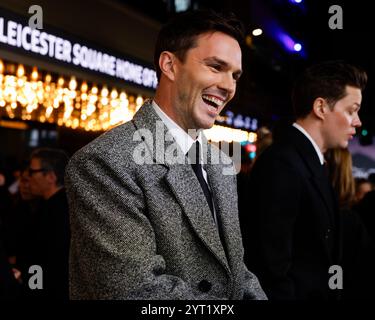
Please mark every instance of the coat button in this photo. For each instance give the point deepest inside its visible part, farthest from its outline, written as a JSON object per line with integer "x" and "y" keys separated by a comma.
{"x": 204, "y": 286}
{"x": 158, "y": 271}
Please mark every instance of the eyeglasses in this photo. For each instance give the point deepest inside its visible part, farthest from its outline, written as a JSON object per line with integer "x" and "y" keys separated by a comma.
{"x": 32, "y": 171}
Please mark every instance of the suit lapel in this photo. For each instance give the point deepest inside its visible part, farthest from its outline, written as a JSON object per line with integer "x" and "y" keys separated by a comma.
{"x": 323, "y": 189}
{"x": 225, "y": 204}
{"x": 185, "y": 186}
{"x": 319, "y": 179}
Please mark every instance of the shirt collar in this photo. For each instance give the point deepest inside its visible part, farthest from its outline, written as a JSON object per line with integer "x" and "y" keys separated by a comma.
{"x": 181, "y": 137}
{"x": 320, "y": 154}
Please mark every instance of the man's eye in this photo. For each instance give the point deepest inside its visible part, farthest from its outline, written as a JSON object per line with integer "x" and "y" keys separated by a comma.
{"x": 215, "y": 66}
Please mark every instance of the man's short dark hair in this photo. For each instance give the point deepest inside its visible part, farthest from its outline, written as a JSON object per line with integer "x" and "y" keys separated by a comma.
{"x": 52, "y": 160}
{"x": 326, "y": 80}
{"x": 179, "y": 34}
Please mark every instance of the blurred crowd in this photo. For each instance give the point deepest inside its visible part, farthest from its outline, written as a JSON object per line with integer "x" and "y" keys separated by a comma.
{"x": 34, "y": 228}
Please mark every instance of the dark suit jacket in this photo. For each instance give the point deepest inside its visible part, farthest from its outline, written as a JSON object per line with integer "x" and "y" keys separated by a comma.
{"x": 46, "y": 243}
{"x": 56, "y": 246}
{"x": 291, "y": 228}
{"x": 358, "y": 258}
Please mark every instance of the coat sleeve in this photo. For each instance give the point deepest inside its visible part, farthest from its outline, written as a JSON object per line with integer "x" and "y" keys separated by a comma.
{"x": 252, "y": 288}
{"x": 113, "y": 247}
{"x": 268, "y": 230}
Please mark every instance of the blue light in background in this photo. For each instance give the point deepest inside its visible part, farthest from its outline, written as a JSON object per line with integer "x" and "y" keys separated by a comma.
{"x": 274, "y": 30}
{"x": 182, "y": 5}
{"x": 297, "y": 47}
{"x": 299, "y": 5}
{"x": 285, "y": 40}
{"x": 288, "y": 43}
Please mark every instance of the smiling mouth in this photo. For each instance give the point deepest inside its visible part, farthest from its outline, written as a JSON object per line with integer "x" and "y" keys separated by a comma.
{"x": 212, "y": 101}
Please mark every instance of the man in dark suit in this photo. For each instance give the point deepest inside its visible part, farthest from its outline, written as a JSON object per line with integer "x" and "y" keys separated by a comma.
{"x": 292, "y": 228}
{"x": 46, "y": 242}
{"x": 145, "y": 223}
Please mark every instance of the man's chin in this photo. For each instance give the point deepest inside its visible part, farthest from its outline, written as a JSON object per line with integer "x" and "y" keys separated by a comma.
{"x": 207, "y": 125}
{"x": 344, "y": 144}
{"x": 339, "y": 145}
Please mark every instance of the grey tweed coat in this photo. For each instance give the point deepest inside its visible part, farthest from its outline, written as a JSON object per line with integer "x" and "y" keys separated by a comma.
{"x": 145, "y": 231}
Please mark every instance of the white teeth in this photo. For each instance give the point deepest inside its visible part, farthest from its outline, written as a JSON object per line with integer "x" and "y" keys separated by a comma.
{"x": 212, "y": 99}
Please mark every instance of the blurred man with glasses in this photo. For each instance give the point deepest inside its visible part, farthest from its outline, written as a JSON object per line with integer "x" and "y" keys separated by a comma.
{"x": 49, "y": 232}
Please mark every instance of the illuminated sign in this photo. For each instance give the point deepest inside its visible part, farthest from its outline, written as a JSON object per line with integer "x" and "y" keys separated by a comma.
{"x": 239, "y": 121}
{"x": 45, "y": 44}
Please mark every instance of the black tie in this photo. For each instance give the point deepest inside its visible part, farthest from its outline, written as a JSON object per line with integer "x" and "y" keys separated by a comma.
{"x": 194, "y": 155}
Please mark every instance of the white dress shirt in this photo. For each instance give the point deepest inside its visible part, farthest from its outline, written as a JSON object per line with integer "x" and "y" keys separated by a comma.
{"x": 181, "y": 137}
{"x": 320, "y": 154}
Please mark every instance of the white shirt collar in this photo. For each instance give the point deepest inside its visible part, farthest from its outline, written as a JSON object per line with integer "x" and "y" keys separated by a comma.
{"x": 320, "y": 154}
{"x": 181, "y": 137}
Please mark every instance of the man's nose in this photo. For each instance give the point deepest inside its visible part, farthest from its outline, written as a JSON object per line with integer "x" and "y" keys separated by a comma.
{"x": 357, "y": 122}
{"x": 228, "y": 84}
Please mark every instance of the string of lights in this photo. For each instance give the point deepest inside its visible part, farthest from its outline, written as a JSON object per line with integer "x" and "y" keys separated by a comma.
{"x": 66, "y": 102}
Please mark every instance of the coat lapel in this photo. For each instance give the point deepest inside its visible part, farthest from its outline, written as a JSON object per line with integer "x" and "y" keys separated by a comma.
{"x": 319, "y": 179}
{"x": 320, "y": 184}
{"x": 185, "y": 186}
{"x": 225, "y": 203}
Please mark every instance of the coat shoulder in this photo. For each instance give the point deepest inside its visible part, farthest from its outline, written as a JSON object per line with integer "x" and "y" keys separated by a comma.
{"x": 117, "y": 143}
{"x": 280, "y": 154}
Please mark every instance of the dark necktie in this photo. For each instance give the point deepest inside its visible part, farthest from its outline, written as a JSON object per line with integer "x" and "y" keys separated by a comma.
{"x": 194, "y": 155}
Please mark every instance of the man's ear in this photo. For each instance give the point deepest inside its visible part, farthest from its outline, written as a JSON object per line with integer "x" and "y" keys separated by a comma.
{"x": 320, "y": 108}
{"x": 167, "y": 64}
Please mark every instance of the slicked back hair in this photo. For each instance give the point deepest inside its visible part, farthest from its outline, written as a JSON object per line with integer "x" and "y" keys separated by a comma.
{"x": 327, "y": 80}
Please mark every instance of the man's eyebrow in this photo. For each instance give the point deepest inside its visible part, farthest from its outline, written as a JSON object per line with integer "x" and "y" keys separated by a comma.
{"x": 223, "y": 63}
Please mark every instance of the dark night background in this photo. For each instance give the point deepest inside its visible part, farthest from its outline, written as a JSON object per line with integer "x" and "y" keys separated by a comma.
{"x": 269, "y": 70}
